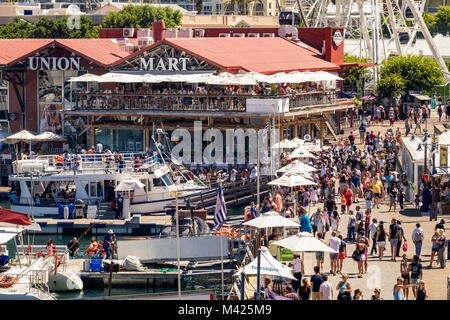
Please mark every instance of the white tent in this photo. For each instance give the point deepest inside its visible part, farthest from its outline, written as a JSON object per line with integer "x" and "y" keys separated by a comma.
{"x": 304, "y": 242}
{"x": 298, "y": 141}
{"x": 301, "y": 152}
{"x": 270, "y": 219}
{"x": 286, "y": 144}
{"x": 291, "y": 181}
{"x": 297, "y": 166}
{"x": 269, "y": 266}
{"x": 129, "y": 184}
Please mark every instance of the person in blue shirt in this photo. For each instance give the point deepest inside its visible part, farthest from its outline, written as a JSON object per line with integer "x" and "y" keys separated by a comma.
{"x": 253, "y": 211}
{"x": 305, "y": 223}
{"x": 107, "y": 241}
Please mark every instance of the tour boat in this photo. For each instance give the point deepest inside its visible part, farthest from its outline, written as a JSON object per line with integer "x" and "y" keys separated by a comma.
{"x": 43, "y": 184}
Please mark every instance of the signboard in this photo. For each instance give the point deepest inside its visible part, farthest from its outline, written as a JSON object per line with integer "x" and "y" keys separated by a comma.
{"x": 338, "y": 37}
{"x": 169, "y": 64}
{"x": 54, "y": 63}
{"x": 443, "y": 154}
{"x": 161, "y": 171}
{"x": 286, "y": 255}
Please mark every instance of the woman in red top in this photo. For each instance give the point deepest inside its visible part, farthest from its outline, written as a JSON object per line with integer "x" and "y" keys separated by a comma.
{"x": 348, "y": 194}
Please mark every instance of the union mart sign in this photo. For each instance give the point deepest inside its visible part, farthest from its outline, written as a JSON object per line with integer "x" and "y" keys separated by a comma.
{"x": 161, "y": 64}
{"x": 54, "y": 63}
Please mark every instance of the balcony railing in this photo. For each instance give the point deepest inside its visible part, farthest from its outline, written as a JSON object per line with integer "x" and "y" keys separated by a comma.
{"x": 192, "y": 102}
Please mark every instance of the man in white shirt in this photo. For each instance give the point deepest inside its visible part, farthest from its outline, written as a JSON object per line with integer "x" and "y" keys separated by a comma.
{"x": 297, "y": 265}
{"x": 334, "y": 243}
{"x": 372, "y": 234}
{"x": 99, "y": 147}
{"x": 326, "y": 289}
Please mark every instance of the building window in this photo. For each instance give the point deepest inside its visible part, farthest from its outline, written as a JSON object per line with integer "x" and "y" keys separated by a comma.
{"x": 130, "y": 140}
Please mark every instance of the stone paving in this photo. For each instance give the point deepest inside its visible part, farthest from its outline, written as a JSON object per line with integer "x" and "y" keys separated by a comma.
{"x": 383, "y": 274}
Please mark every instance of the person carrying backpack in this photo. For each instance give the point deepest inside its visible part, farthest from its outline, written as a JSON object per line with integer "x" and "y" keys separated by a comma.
{"x": 417, "y": 236}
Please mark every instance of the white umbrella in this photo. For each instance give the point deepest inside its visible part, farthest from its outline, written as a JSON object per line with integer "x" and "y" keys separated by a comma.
{"x": 297, "y": 166}
{"x": 301, "y": 152}
{"x": 129, "y": 184}
{"x": 303, "y": 242}
{"x": 23, "y": 135}
{"x": 298, "y": 140}
{"x": 87, "y": 77}
{"x": 286, "y": 144}
{"x": 311, "y": 147}
{"x": 49, "y": 136}
{"x": 268, "y": 266}
{"x": 292, "y": 181}
{"x": 270, "y": 219}
{"x": 120, "y": 77}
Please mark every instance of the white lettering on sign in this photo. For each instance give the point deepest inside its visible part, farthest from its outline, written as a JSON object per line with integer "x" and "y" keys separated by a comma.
{"x": 170, "y": 64}
{"x": 54, "y": 63}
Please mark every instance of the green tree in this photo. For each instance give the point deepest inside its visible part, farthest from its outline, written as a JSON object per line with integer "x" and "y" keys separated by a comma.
{"x": 47, "y": 28}
{"x": 418, "y": 73}
{"x": 142, "y": 16}
{"x": 354, "y": 77}
{"x": 391, "y": 86}
{"x": 443, "y": 19}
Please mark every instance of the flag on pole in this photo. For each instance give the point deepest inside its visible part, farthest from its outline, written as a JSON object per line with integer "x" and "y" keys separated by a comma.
{"x": 220, "y": 215}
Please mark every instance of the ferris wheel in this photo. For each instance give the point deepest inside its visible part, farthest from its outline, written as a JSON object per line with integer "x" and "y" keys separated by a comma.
{"x": 379, "y": 29}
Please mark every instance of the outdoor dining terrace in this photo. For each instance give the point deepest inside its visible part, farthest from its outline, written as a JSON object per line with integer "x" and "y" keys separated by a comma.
{"x": 236, "y": 102}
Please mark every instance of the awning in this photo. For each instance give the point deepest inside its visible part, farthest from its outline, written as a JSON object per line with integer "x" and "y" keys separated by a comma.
{"x": 5, "y": 236}
{"x": 14, "y": 217}
{"x": 420, "y": 97}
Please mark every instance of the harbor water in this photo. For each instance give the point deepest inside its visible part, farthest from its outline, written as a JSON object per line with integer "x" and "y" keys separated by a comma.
{"x": 198, "y": 283}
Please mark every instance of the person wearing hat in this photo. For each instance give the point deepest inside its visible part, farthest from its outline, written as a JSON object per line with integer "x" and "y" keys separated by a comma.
{"x": 107, "y": 241}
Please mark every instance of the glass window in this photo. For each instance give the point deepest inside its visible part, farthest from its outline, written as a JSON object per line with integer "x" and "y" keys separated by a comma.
{"x": 50, "y": 86}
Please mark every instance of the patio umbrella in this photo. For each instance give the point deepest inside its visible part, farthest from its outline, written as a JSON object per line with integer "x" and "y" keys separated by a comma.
{"x": 311, "y": 147}
{"x": 301, "y": 152}
{"x": 87, "y": 77}
{"x": 286, "y": 144}
{"x": 129, "y": 184}
{"x": 291, "y": 181}
{"x": 269, "y": 266}
{"x": 303, "y": 242}
{"x": 298, "y": 141}
{"x": 297, "y": 166}
{"x": 49, "y": 136}
{"x": 270, "y": 219}
{"x": 369, "y": 97}
{"x": 23, "y": 135}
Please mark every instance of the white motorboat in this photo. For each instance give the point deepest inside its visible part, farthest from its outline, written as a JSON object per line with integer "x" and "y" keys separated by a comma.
{"x": 45, "y": 183}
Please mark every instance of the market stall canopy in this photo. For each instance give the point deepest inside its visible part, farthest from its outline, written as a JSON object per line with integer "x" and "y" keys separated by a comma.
{"x": 271, "y": 219}
{"x": 297, "y": 166}
{"x": 286, "y": 144}
{"x": 298, "y": 141}
{"x": 269, "y": 266}
{"x": 23, "y": 135}
{"x": 291, "y": 181}
{"x": 301, "y": 152}
{"x": 129, "y": 184}
{"x": 49, "y": 136}
{"x": 304, "y": 242}
{"x": 369, "y": 97}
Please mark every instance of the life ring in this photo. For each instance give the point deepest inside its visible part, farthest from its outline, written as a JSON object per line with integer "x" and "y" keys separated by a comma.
{"x": 7, "y": 281}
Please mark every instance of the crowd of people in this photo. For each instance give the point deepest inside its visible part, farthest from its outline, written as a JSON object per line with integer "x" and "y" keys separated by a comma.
{"x": 346, "y": 176}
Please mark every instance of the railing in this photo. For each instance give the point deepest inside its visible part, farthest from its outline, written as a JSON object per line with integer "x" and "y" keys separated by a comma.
{"x": 192, "y": 102}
